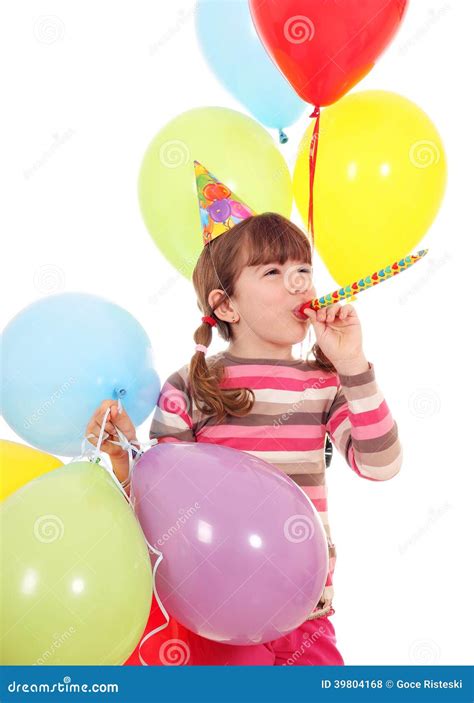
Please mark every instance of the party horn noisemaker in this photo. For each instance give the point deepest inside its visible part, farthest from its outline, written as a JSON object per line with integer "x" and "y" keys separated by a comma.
{"x": 351, "y": 290}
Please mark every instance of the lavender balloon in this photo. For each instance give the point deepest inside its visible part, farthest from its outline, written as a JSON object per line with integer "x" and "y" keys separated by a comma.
{"x": 244, "y": 551}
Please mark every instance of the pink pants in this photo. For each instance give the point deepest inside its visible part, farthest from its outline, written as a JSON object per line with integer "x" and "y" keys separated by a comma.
{"x": 312, "y": 644}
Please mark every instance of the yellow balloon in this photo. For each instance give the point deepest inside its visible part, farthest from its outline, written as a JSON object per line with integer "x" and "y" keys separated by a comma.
{"x": 235, "y": 149}
{"x": 20, "y": 464}
{"x": 379, "y": 180}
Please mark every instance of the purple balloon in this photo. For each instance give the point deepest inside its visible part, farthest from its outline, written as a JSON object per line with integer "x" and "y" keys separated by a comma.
{"x": 219, "y": 210}
{"x": 245, "y": 556}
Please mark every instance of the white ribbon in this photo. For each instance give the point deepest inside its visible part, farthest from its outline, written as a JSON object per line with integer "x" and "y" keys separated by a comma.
{"x": 92, "y": 453}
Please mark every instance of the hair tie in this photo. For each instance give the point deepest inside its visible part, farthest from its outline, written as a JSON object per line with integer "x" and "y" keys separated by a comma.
{"x": 209, "y": 320}
{"x": 201, "y": 347}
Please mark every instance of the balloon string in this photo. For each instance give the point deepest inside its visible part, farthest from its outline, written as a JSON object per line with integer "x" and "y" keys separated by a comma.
{"x": 313, "y": 150}
{"x": 92, "y": 453}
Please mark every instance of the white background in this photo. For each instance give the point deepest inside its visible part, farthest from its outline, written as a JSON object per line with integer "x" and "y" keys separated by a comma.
{"x": 85, "y": 88}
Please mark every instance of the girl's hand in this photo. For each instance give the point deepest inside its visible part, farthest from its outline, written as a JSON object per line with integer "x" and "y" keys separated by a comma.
{"x": 339, "y": 336}
{"x": 122, "y": 421}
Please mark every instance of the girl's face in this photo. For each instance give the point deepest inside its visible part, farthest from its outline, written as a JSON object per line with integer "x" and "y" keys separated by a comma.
{"x": 266, "y": 297}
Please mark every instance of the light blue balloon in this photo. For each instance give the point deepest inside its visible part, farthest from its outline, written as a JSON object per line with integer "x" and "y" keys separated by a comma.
{"x": 61, "y": 357}
{"x": 233, "y": 49}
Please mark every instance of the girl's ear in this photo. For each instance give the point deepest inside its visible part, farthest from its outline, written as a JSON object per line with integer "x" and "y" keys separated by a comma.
{"x": 224, "y": 310}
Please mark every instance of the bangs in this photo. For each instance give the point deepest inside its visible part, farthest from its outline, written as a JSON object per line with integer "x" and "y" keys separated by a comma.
{"x": 270, "y": 238}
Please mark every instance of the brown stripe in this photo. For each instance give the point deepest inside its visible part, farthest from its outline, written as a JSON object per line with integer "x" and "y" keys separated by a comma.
{"x": 337, "y": 403}
{"x": 301, "y": 365}
{"x": 315, "y": 479}
{"x": 269, "y": 422}
{"x": 377, "y": 444}
{"x": 358, "y": 379}
{"x": 177, "y": 380}
{"x": 159, "y": 429}
{"x": 366, "y": 390}
{"x": 382, "y": 457}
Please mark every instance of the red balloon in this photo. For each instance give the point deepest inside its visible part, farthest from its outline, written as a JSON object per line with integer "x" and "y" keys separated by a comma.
{"x": 325, "y": 47}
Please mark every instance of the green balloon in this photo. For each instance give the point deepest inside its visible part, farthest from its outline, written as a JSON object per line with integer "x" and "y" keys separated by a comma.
{"x": 76, "y": 581}
{"x": 235, "y": 149}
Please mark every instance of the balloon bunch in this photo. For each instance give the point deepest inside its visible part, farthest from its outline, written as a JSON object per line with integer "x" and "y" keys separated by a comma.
{"x": 77, "y": 580}
{"x": 376, "y": 162}
{"x": 370, "y": 169}
{"x": 79, "y": 557}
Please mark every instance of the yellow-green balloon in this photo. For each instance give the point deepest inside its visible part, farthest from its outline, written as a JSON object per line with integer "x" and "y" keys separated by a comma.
{"x": 235, "y": 149}
{"x": 76, "y": 581}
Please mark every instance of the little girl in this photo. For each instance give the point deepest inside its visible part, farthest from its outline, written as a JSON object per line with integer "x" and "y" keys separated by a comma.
{"x": 257, "y": 398}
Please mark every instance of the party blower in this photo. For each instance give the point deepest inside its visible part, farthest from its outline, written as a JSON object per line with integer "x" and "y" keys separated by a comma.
{"x": 364, "y": 283}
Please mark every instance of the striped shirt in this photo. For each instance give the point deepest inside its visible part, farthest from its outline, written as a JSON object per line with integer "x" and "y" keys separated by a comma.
{"x": 295, "y": 407}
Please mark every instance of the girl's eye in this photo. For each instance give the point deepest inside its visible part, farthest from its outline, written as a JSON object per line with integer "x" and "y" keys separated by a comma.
{"x": 303, "y": 270}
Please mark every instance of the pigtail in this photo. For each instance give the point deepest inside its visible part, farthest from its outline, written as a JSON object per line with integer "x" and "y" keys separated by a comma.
{"x": 204, "y": 380}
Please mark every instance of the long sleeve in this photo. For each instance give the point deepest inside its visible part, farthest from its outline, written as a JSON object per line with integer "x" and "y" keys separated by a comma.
{"x": 172, "y": 419}
{"x": 362, "y": 428}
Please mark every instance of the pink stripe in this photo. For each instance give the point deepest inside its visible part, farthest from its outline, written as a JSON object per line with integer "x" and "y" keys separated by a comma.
{"x": 261, "y": 370}
{"x": 338, "y": 417}
{"x": 376, "y": 430}
{"x": 288, "y": 382}
{"x": 265, "y": 444}
{"x": 368, "y": 417}
{"x": 163, "y": 440}
{"x": 316, "y": 492}
{"x": 268, "y": 431}
{"x": 321, "y": 505}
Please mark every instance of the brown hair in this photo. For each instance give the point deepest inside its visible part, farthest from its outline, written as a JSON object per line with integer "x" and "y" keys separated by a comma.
{"x": 256, "y": 240}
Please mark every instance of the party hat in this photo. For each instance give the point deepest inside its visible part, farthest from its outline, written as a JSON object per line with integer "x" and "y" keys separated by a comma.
{"x": 219, "y": 207}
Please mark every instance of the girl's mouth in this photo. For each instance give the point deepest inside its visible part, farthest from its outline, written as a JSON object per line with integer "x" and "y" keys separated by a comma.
{"x": 299, "y": 315}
